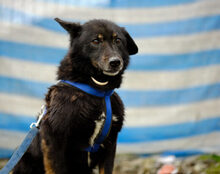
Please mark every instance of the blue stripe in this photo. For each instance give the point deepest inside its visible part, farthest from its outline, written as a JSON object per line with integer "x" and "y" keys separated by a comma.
{"x": 43, "y": 54}
{"x": 188, "y": 26}
{"x": 176, "y": 153}
{"x": 130, "y": 97}
{"x": 131, "y": 134}
{"x": 168, "y": 132}
{"x": 15, "y": 122}
{"x": 6, "y": 153}
{"x": 175, "y": 62}
{"x": 179, "y": 27}
{"x": 23, "y": 87}
{"x": 182, "y": 153}
{"x": 49, "y": 55}
{"x": 122, "y": 3}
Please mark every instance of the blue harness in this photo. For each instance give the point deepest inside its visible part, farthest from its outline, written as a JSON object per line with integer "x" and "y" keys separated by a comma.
{"x": 88, "y": 89}
{"x": 17, "y": 155}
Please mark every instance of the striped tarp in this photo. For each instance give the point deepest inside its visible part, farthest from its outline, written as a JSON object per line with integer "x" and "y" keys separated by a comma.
{"x": 171, "y": 89}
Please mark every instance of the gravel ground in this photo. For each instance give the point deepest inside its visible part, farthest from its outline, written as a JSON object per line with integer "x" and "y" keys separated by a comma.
{"x": 132, "y": 164}
{"x": 204, "y": 164}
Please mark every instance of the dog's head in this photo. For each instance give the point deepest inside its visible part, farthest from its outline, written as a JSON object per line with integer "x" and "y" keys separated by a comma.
{"x": 98, "y": 55}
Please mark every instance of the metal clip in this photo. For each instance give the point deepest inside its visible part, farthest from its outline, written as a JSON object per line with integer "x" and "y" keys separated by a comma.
{"x": 42, "y": 113}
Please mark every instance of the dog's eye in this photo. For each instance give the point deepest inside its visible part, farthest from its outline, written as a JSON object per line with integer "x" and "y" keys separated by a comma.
{"x": 96, "y": 41}
{"x": 117, "y": 40}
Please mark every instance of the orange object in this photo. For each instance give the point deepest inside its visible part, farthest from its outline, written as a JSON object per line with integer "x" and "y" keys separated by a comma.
{"x": 167, "y": 169}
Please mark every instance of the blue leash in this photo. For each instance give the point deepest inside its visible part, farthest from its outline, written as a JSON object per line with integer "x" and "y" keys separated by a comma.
{"x": 17, "y": 155}
{"x": 20, "y": 151}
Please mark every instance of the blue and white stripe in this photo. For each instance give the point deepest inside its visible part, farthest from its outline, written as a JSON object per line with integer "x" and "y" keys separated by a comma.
{"x": 171, "y": 89}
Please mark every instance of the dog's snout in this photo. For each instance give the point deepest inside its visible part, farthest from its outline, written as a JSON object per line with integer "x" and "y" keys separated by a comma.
{"x": 114, "y": 62}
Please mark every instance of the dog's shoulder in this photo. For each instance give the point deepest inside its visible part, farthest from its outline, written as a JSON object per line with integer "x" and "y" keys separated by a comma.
{"x": 62, "y": 93}
{"x": 62, "y": 101}
{"x": 67, "y": 103}
{"x": 116, "y": 99}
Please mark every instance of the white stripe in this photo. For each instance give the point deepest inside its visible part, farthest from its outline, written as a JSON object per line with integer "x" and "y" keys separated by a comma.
{"x": 11, "y": 139}
{"x": 134, "y": 80}
{"x": 161, "y": 80}
{"x": 149, "y": 116}
{"x": 20, "y": 105}
{"x": 207, "y": 143}
{"x": 179, "y": 44}
{"x": 32, "y": 35}
{"x": 27, "y": 70}
{"x": 154, "y": 116}
{"x": 131, "y": 15}
{"x": 156, "y": 45}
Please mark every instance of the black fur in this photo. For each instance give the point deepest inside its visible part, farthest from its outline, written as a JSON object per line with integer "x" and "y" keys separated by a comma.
{"x": 70, "y": 120}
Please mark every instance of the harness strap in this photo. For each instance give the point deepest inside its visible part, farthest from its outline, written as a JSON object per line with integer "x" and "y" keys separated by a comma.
{"x": 107, "y": 126}
{"x": 88, "y": 89}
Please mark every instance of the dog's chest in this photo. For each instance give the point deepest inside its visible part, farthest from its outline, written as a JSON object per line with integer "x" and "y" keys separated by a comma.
{"x": 99, "y": 124}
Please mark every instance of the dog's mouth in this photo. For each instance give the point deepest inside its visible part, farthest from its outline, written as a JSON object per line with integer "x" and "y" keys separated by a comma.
{"x": 103, "y": 76}
{"x": 108, "y": 73}
{"x": 98, "y": 82}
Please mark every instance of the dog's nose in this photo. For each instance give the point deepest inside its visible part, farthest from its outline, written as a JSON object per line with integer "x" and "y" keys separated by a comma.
{"x": 114, "y": 62}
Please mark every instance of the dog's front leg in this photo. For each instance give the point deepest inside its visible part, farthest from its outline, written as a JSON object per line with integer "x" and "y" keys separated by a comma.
{"x": 53, "y": 153}
{"x": 48, "y": 162}
{"x": 106, "y": 165}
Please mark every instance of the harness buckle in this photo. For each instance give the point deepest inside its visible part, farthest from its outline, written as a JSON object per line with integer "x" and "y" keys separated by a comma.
{"x": 42, "y": 113}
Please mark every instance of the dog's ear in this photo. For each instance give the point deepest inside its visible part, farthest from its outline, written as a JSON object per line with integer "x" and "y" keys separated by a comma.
{"x": 72, "y": 28}
{"x": 131, "y": 45}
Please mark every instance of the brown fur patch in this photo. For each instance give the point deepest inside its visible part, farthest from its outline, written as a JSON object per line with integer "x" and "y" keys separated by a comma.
{"x": 73, "y": 98}
{"x": 50, "y": 96}
{"x": 53, "y": 94}
{"x": 101, "y": 170}
{"x": 114, "y": 35}
{"x": 94, "y": 63}
{"x": 47, "y": 162}
{"x": 100, "y": 36}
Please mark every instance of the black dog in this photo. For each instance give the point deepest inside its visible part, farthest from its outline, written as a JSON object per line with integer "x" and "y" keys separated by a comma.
{"x": 98, "y": 55}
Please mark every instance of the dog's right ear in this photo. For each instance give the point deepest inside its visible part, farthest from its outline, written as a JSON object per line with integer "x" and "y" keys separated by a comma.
{"x": 72, "y": 28}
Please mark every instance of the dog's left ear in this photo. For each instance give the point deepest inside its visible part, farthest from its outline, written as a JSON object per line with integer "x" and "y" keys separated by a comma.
{"x": 131, "y": 45}
{"x": 72, "y": 28}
